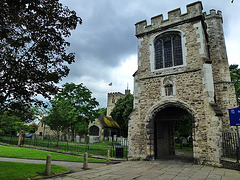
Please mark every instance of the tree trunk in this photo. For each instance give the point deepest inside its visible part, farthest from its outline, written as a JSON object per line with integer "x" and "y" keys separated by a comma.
{"x": 72, "y": 133}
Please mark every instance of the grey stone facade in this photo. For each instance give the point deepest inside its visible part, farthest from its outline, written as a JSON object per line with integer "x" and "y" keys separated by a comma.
{"x": 112, "y": 99}
{"x": 200, "y": 87}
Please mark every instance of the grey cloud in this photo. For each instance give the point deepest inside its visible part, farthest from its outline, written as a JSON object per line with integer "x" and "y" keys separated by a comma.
{"x": 107, "y": 36}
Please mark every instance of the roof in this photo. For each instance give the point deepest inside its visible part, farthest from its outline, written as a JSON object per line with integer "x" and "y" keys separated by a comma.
{"x": 108, "y": 122}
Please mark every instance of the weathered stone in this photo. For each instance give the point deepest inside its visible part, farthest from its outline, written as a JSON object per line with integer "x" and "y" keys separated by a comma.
{"x": 48, "y": 165}
{"x": 85, "y": 162}
{"x": 200, "y": 87}
{"x": 108, "y": 157}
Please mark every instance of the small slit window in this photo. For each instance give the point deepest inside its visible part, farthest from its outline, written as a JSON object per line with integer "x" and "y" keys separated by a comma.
{"x": 113, "y": 100}
{"x": 169, "y": 90}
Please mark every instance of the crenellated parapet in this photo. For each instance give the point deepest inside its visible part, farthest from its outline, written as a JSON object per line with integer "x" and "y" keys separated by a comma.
{"x": 199, "y": 86}
{"x": 214, "y": 14}
{"x": 193, "y": 10}
{"x": 115, "y": 94}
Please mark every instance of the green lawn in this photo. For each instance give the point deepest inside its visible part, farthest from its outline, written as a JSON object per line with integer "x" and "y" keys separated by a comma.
{"x": 24, "y": 171}
{"x": 25, "y": 153}
{"x": 95, "y": 149}
{"x": 184, "y": 148}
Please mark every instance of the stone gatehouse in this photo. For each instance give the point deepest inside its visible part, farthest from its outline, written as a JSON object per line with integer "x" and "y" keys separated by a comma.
{"x": 182, "y": 70}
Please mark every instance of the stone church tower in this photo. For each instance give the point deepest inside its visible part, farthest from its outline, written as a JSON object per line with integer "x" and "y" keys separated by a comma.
{"x": 182, "y": 70}
{"x": 113, "y": 97}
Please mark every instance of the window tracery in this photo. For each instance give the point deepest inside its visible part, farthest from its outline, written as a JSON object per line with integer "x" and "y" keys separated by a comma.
{"x": 168, "y": 50}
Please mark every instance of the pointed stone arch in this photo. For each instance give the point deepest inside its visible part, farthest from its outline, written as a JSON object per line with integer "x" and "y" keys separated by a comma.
{"x": 158, "y": 107}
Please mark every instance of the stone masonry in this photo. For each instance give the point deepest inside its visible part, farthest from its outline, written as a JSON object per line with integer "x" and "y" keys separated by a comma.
{"x": 112, "y": 99}
{"x": 201, "y": 85}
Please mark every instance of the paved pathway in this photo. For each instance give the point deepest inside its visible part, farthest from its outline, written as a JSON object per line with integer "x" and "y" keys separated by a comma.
{"x": 144, "y": 170}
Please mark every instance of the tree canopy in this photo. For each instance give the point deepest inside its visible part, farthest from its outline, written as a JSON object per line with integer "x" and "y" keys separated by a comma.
{"x": 72, "y": 108}
{"x": 11, "y": 124}
{"x": 102, "y": 111}
{"x": 33, "y": 49}
{"x": 235, "y": 77}
{"x": 122, "y": 110}
{"x": 183, "y": 127}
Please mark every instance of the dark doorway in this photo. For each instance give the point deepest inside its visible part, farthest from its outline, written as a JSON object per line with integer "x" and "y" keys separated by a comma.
{"x": 94, "y": 131}
{"x": 173, "y": 134}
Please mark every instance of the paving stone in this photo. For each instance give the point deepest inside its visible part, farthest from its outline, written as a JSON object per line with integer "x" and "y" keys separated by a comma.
{"x": 230, "y": 178}
{"x": 214, "y": 177}
{"x": 146, "y": 170}
{"x": 219, "y": 172}
{"x": 180, "y": 178}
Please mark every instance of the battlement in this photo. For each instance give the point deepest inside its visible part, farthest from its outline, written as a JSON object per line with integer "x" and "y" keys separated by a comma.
{"x": 174, "y": 16}
{"x": 214, "y": 14}
{"x": 115, "y": 94}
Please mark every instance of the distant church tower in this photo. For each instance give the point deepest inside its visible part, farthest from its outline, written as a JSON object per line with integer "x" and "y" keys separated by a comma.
{"x": 182, "y": 70}
{"x": 113, "y": 98}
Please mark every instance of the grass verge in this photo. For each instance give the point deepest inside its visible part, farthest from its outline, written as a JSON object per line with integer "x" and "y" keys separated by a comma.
{"x": 22, "y": 171}
{"x": 95, "y": 149}
{"x": 24, "y": 153}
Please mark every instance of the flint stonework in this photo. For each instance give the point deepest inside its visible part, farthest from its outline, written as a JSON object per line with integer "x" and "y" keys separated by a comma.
{"x": 200, "y": 87}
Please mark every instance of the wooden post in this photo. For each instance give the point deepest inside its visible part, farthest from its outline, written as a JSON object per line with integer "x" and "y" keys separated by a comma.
{"x": 108, "y": 157}
{"x": 48, "y": 165}
{"x": 85, "y": 162}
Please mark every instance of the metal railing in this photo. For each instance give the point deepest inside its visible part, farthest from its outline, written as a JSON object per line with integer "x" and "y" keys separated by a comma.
{"x": 230, "y": 146}
{"x": 93, "y": 149}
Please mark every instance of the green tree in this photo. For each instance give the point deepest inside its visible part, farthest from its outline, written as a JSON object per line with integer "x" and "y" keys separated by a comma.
{"x": 8, "y": 123}
{"x": 26, "y": 112}
{"x": 121, "y": 112}
{"x": 72, "y": 108}
{"x": 102, "y": 111}
{"x": 235, "y": 77}
{"x": 81, "y": 125}
{"x": 183, "y": 127}
{"x": 11, "y": 124}
{"x": 33, "y": 127}
{"x": 33, "y": 49}
{"x": 57, "y": 118}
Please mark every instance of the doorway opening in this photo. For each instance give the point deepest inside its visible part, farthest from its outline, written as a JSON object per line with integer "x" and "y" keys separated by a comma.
{"x": 173, "y": 134}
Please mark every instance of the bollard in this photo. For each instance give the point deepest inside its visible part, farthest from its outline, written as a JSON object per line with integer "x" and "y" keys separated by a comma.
{"x": 48, "y": 165}
{"x": 108, "y": 157}
{"x": 85, "y": 162}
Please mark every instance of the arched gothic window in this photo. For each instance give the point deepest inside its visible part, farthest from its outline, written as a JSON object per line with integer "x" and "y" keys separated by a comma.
{"x": 94, "y": 131}
{"x": 168, "y": 50}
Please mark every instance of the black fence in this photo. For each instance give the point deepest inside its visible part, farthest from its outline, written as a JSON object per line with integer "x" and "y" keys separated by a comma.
{"x": 230, "y": 146}
{"x": 93, "y": 149}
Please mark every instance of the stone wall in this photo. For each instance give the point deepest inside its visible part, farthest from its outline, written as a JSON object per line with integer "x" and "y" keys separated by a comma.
{"x": 201, "y": 85}
{"x": 112, "y": 99}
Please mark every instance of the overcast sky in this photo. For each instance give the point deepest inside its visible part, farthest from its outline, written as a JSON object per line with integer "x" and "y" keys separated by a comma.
{"x": 106, "y": 46}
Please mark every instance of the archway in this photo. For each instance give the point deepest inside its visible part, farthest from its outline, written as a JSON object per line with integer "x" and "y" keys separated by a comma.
{"x": 94, "y": 131}
{"x": 163, "y": 129}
